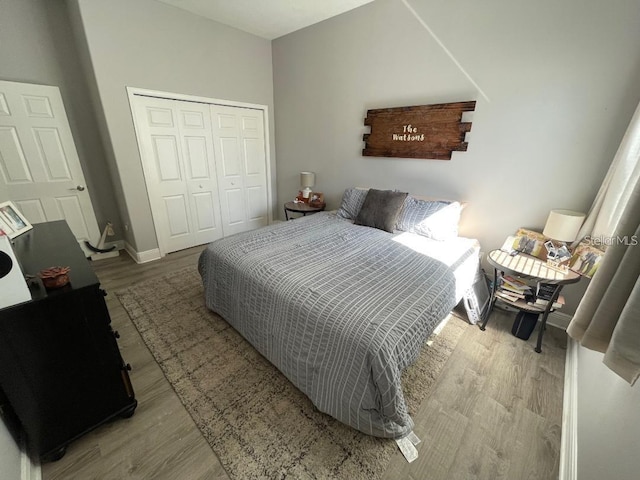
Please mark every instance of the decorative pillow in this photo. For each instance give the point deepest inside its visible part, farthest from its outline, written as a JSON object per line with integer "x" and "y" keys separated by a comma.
{"x": 380, "y": 209}
{"x": 437, "y": 220}
{"x": 352, "y": 201}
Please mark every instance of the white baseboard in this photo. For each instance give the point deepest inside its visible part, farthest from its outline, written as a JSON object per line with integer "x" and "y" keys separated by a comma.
{"x": 142, "y": 257}
{"x": 569, "y": 440}
{"x": 559, "y": 319}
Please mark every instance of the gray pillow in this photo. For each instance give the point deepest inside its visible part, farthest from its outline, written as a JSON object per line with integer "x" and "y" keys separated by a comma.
{"x": 351, "y": 204}
{"x": 380, "y": 209}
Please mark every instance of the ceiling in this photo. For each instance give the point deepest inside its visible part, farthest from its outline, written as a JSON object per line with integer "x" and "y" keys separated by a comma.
{"x": 267, "y": 18}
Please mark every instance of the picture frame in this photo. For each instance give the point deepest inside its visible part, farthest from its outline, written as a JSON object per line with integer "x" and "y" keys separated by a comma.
{"x": 531, "y": 243}
{"x": 316, "y": 199}
{"x": 586, "y": 259}
{"x": 12, "y": 222}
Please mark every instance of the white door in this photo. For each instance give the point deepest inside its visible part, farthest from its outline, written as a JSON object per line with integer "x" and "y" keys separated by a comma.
{"x": 239, "y": 142}
{"x": 39, "y": 165}
{"x": 177, "y": 156}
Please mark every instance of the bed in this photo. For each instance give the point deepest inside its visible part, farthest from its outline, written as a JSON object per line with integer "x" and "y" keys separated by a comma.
{"x": 340, "y": 309}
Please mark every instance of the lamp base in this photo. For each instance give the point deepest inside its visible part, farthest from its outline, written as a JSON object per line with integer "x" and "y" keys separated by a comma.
{"x": 306, "y": 193}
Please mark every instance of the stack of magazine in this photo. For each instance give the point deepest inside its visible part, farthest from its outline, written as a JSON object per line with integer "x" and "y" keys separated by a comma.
{"x": 513, "y": 289}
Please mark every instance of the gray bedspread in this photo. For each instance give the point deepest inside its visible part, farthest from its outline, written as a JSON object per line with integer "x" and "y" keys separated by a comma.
{"x": 339, "y": 309}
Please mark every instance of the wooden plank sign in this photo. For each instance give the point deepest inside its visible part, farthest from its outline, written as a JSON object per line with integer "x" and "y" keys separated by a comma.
{"x": 423, "y": 131}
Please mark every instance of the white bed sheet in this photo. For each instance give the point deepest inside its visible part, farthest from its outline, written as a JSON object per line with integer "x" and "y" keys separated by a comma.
{"x": 461, "y": 253}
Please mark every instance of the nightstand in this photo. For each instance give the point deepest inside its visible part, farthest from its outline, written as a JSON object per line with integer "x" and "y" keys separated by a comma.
{"x": 531, "y": 270}
{"x": 300, "y": 207}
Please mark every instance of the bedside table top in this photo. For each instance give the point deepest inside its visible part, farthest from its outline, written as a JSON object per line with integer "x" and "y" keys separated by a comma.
{"x": 527, "y": 266}
{"x": 302, "y": 207}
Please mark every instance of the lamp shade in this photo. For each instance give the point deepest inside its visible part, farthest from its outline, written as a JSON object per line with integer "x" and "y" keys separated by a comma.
{"x": 563, "y": 225}
{"x": 307, "y": 179}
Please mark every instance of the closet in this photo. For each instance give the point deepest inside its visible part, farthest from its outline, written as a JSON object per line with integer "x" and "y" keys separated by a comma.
{"x": 205, "y": 168}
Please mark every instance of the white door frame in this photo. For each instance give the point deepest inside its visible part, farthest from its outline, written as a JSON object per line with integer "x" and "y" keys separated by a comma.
{"x": 135, "y": 91}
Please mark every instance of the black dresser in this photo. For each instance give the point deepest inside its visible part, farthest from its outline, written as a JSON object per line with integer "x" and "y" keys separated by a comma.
{"x": 60, "y": 366}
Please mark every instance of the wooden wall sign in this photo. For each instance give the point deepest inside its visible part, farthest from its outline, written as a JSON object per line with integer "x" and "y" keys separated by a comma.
{"x": 424, "y": 131}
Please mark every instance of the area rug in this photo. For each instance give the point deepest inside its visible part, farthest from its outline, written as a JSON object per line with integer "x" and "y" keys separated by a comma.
{"x": 259, "y": 425}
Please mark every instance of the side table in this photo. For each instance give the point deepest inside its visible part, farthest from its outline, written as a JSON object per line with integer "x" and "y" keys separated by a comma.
{"x": 530, "y": 269}
{"x": 301, "y": 207}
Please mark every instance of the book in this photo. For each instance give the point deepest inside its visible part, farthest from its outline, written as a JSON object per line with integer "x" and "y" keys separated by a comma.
{"x": 515, "y": 283}
{"x": 508, "y": 244}
{"x": 510, "y": 289}
{"x": 545, "y": 291}
{"x": 513, "y": 289}
{"x": 559, "y": 303}
{"x": 506, "y": 296}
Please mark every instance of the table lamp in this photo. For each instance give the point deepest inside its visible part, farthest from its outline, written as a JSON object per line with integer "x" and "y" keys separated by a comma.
{"x": 307, "y": 181}
{"x": 563, "y": 225}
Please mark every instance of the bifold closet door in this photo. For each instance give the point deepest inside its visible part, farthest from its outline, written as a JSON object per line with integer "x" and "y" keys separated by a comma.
{"x": 178, "y": 160}
{"x": 239, "y": 143}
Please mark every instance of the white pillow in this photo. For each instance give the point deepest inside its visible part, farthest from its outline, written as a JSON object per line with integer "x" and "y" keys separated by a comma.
{"x": 433, "y": 219}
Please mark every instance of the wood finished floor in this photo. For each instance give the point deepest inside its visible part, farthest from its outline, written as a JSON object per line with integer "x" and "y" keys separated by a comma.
{"x": 494, "y": 413}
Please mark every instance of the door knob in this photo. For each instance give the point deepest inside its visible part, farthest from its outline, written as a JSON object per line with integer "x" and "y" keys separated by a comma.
{"x": 79, "y": 188}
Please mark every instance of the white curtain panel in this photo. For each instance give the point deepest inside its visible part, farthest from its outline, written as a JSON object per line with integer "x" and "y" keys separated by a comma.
{"x": 608, "y": 317}
{"x": 614, "y": 193}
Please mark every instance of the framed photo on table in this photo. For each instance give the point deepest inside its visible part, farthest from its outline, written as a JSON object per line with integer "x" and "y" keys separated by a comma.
{"x": 586, "y": 259}
{"x": 12, "y": 222}
{"x": 316, "y": 199}
{"x": 530, "y": 242}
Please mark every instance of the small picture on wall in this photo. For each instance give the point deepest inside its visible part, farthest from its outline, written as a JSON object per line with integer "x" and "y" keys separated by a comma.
{"x": 586, "y": 259}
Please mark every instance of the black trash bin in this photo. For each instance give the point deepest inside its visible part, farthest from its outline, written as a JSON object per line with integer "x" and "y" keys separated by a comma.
{"x": 524, "y": 324}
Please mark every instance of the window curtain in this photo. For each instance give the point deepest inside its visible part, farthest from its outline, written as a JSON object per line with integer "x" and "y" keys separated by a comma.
{"x": 616, "y": 188}
{"x": 608, "y": 317}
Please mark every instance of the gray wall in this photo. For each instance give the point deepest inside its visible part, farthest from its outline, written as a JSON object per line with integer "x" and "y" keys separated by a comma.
{"x": 608, "y": 422}
{"x": 148, "y": 44}
{"x": 10, "y": 458}
{"x": 562, "y": 78}
{"x": 37, "y": 46}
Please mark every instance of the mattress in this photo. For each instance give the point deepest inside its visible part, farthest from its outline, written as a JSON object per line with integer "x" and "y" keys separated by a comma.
{"x": 341, "y": 310}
